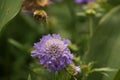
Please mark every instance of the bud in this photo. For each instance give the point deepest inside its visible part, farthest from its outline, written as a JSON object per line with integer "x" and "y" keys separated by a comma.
{"x": 90, "y": 12}
{"x": 73, "y": 70}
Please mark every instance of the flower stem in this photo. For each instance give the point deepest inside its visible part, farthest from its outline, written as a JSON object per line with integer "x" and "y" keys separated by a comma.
{"x": 84, "y": 77}
{"x": 91, "y": 26}
{"x": 56, "y": 75}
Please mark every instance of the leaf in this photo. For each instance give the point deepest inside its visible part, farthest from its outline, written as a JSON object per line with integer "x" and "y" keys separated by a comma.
{"x": 105, "y": 74}
{"x": 117, "y": 76}
{"x": 103, "y": 70}
{"x": 105, "y": 44}
{"x": 18, "y": 45}
{"x": 8, "y": 10}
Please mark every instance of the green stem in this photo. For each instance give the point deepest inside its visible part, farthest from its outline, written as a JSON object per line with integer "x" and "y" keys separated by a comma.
{"x": 90, "y": 31}
{"x": 55, "y": 76}
{"x": 84, "y": 77}
{"x": 91, "y": 26}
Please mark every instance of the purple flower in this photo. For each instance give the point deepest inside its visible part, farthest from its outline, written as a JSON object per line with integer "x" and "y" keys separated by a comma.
{"x": 83, "y": 1}
{"x": 53, "y": 52}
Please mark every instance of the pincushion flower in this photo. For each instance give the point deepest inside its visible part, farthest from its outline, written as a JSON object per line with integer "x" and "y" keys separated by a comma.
{"x": 83, "y": 1}
{"x": 53, "y": 52}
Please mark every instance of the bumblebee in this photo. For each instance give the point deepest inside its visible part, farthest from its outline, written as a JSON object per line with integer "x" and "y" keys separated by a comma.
{"x": 40, "y": 15}
{"x": 31, "y": 8}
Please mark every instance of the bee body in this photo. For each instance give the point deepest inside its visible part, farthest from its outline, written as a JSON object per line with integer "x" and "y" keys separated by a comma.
{"x": 40, "y": 15}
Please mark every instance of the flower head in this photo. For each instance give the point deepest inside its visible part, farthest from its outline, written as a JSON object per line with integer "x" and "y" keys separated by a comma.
{"x": 83, "y": 1}
{"x": 53, "y": 52}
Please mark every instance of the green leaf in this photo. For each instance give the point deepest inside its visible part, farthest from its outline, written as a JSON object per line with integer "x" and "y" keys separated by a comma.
{"x": 103, "y": 70}
{"x": 105, "y": 44}
{"x": 105, "y": 74}
{"x": 8, "y": 10}
{"x": 18, "y": 45}
{"x": 117, "y": 76}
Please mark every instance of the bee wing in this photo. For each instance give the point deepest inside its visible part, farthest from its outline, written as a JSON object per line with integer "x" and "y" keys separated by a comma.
{"x": 30, "y": 13}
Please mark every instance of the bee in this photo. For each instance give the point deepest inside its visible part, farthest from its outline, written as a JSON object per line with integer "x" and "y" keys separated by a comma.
{"x": 40, "y": 15}
{"x": 32, "y": 8}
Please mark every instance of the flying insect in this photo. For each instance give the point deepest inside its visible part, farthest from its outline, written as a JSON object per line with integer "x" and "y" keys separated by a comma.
{"x": 40, "y": 15}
